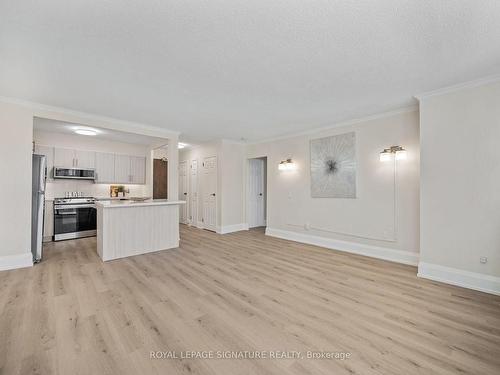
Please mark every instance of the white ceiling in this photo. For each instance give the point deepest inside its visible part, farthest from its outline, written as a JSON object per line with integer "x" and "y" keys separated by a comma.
{"x": 238, "y": 68}
{"x": 53, "y": 126}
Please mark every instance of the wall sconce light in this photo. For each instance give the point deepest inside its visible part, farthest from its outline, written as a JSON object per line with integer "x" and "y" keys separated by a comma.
{"x": 286, "y": 165}
{"x": 399, "y": 152}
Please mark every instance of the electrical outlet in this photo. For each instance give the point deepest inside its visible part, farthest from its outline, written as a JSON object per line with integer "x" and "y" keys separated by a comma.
{"x": 307, "y": 226}
{"x": 289, "y": 195}
{"x": 483, "y": 260}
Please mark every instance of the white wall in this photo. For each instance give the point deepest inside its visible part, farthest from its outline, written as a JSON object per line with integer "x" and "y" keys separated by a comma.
{"x": 382, "y": 221}
{"x": 160, "y": 153}
{"x": 56, "y": 188}
{"x": 460, "y": 186}
{"x": 16, "y": 129}
{"x": 232, "y": 162}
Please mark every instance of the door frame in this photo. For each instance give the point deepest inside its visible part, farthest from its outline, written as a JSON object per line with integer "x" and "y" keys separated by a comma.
{"x": 266, "y": 184}
{"x": 194, "y": 201}
{"x": 187, "y": 196}
{"x": 203, "y": 225}
{"x": 153, "y": 174}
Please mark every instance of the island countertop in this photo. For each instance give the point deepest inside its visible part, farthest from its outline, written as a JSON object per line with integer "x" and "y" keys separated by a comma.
{"x": 131, "y": 203}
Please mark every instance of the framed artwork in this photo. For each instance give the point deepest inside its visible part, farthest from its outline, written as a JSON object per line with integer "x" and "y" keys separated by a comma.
{"x": 333, "y": 166}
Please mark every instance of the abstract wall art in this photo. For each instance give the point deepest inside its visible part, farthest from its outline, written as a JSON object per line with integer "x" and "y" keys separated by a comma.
{"x": 333, "y": 166}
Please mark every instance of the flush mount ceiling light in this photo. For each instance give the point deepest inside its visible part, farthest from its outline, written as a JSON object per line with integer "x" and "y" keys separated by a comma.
{"x": 286, "y": 165}
{"x": 86, "y": 131}
{"x": 181, "y": 145}
{"x": 399, "y": 152}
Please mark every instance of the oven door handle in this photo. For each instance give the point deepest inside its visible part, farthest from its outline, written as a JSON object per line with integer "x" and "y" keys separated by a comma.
{"x": 65, "y": 213}
{"x": 69, "y": 207}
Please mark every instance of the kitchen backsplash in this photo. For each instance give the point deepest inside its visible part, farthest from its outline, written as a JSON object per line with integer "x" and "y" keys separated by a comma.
{"x": 56, "y": 189}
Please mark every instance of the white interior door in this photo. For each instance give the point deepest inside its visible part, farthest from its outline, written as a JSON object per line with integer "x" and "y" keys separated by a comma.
{"x": 183, "y": 191}
{"x": 193, "y": 196}
{"x": 256, "y": 193}
{"x": 209, "y": 191}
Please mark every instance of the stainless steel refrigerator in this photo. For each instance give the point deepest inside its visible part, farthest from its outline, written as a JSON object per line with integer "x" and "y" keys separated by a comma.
{"x": 37, "y": 205}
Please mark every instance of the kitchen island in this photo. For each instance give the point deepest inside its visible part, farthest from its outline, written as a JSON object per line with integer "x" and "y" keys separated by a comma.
{"x": 127, "y": 228}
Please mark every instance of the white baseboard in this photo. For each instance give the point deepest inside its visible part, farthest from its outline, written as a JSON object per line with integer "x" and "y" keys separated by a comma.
{"x": 398, "y": 256}
{"x": 454, "y": 276}
{"x": 232, "y": 228}
{"x": 10, "y": 262}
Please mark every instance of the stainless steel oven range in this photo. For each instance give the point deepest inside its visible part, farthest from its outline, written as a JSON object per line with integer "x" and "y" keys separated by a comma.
{"x": 74, "y": 218}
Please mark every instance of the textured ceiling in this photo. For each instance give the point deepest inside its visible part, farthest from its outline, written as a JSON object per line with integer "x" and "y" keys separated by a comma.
{"x": 239, "y": 68}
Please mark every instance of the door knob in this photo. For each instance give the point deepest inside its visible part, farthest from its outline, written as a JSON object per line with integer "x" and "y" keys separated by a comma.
{"x": 260, "y": 194}
{"x": 213, "y": 194}
{"x": 185, "y": 193}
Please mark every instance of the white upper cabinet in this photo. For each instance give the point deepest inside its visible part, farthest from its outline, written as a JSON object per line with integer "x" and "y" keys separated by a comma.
{"x": 105, "y": 167}
{"x": 130, "y": 169}
{"x": 122, "y": 169}
{"x": 64, "y": 157}
{"x": 69, "y": 158}
{"x": 84, "y": 159}
{"x": 110, "y": 168}
{"x": 49, "y": 155}
{"x": 138, "y": 169}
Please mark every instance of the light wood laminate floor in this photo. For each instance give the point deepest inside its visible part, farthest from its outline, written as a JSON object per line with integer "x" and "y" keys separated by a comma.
{"x": 73, "y": 314}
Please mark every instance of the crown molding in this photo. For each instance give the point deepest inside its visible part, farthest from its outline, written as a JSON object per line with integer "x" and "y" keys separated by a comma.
{"x": 83, "y": 118}
{"x": 355, "y": 121}
{"x": 460, "y": 86}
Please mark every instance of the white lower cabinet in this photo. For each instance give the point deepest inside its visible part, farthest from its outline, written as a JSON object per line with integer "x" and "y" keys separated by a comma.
{"x": 48, "y": 221}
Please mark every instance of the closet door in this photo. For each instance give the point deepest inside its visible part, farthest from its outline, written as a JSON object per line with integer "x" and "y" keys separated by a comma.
{"x": 193, "y": 193}
{"x": 183, "y": 191}
{"x": 210, "y": 193}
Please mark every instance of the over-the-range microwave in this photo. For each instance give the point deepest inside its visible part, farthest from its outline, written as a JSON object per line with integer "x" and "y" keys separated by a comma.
{"x": 74, "y": 173}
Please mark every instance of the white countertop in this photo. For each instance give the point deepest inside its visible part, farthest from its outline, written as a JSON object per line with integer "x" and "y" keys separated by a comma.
{"x": 111, "y": 198}
{"x": 129, "y": 203}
